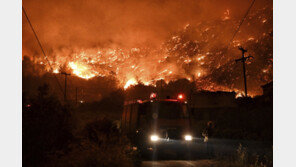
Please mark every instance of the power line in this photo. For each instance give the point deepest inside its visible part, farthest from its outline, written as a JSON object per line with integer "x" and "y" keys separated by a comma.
{"x": 243, "y": 19}
{"x": 24, "y": 11}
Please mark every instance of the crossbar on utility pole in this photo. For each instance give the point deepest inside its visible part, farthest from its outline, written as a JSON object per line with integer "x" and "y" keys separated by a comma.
{"x": 243, "y": 60}
{"x": 65, "y": 93}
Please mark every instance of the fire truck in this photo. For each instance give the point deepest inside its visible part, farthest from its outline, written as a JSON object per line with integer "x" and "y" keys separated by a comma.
{"x": 156, "y": 123}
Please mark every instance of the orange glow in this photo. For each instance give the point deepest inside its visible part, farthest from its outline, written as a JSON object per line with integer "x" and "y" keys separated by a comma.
{"x": 240, "y": 94}
{"x": 226, "y": 15}
{"x": 130, "y": 83}
{"x": 81, "y": 70}
{"x": 197, "y": 48}
{"x": 56, "y": 71}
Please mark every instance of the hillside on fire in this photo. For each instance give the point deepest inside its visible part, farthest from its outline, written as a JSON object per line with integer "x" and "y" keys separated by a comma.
{"x": 118, "y": 83}
{"x": 195, "y": 44}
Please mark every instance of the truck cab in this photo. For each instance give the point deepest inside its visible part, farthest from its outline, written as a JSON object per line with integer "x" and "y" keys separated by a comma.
{"x": 157, "y": 122}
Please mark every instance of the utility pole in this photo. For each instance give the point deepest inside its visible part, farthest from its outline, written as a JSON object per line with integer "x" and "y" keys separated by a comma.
{"x": 76, "y": 96}
{"x": 243, "y": 60}
{"x": 160, "y": 94}
{"x": 65, "y": 94}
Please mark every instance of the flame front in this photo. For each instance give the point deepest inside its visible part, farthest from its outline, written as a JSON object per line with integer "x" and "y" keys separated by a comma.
{"x": 81, "y": 71}
{"x": 197, "y": 52}
{"x": 130, "y": 83}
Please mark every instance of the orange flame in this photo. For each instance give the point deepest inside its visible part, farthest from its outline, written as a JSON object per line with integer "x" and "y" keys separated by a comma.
{"x": 81, "y": 70}
{"x": 130, "y": 83}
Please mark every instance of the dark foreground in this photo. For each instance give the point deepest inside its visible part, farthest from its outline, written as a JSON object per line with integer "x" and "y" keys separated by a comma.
{"x": 81, "y": 136}
{"x": 197, "y": 149}
{"x": 226, "y": 153}
{"x": 196, "y": 163}
{"x": 179, "y": 163}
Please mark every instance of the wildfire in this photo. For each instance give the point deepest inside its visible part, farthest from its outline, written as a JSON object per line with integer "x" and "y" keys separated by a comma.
{"x": 226, "y": 15}
{"x": 56, "y": 71}
{"x": 130, "y": 83}
{"x": 239, "y": 94}
{"x": 80, "y": 70}
{"x": 197, "y": 52}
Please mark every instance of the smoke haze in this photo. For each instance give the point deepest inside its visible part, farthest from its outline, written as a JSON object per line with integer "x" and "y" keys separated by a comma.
{"x": 153, "y": 39}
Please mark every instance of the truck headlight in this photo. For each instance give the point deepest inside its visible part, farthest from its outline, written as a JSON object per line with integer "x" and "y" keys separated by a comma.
{"x": 188, "y": 137}
{"x": 154, "y": 138}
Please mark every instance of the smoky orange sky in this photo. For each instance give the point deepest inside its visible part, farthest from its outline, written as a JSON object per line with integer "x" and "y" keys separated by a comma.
{"x": 127, "y": 23}
{"x": 69, "y": 26}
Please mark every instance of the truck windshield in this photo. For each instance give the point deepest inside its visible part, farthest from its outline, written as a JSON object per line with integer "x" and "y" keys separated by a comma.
{"x": 164, "y": 109}
{"x": 172, "y": 110}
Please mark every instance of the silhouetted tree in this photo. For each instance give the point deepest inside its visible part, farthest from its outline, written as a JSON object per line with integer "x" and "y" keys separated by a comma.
{"x": 46, "y": 127}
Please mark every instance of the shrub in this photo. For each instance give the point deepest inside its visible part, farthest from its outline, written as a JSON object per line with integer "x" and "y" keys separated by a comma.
{"x": 100, "y": 145}
{"x": 46, "y": 127}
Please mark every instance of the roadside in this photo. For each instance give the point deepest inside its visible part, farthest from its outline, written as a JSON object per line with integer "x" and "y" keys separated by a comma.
{"x": 181, "y": 163}
{"x": 197, "y": 163}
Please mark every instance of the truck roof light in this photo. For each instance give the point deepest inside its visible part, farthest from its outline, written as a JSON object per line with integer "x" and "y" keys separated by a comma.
{"x": 181, "y": 96}
{"x": 153, "y": 95}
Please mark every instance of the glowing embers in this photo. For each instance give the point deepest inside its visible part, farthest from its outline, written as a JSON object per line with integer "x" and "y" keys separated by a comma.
{"x": 81, "y": 70}
{"x": 239, "y": 94}
{"x": 56, "y": 71}
{"x": 130, "y": 82}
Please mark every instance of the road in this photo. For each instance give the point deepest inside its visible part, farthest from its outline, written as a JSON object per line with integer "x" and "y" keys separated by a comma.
{"x": 198, "y": 156}
{"x": 179, "y": 163}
